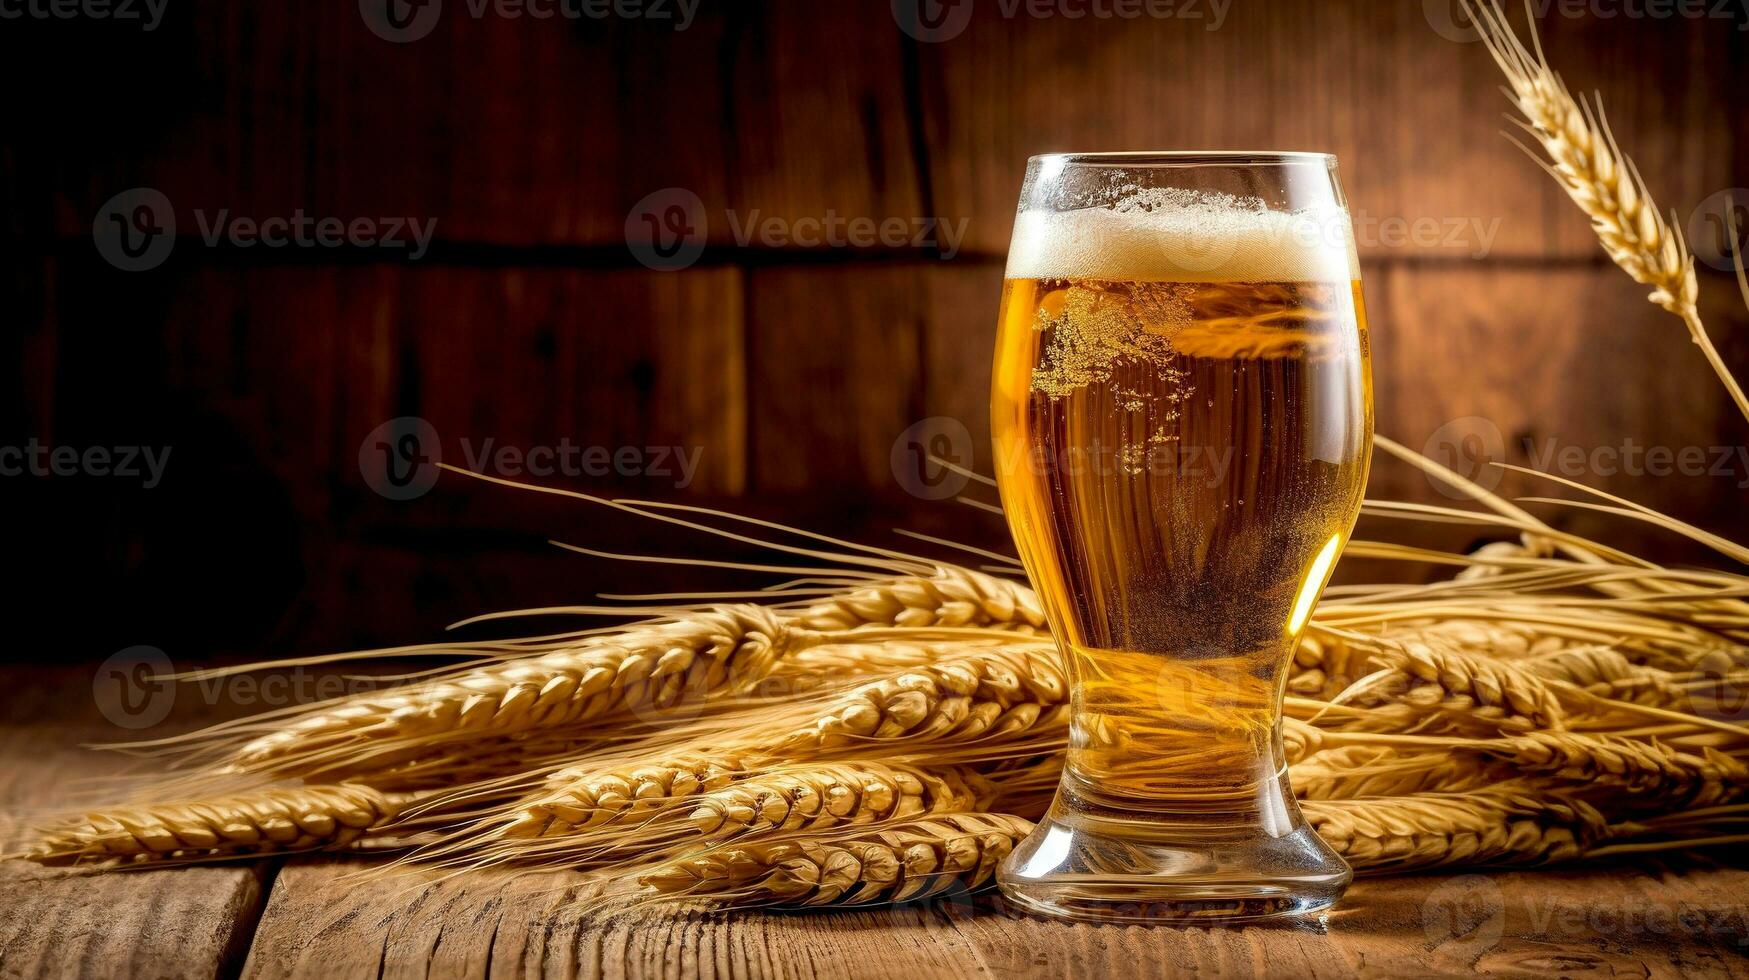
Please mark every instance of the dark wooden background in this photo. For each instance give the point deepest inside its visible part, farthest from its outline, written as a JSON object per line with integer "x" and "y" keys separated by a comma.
{"x": 794, "y": 370}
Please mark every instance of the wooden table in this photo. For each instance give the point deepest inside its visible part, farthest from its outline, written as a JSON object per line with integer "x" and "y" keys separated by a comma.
{"x": 1683, "y": 916}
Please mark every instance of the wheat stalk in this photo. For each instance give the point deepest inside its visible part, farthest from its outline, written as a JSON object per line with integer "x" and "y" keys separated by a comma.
{"x": 1455, "y": 681}
{"x": 953, "y": 596}
{"x": 1606, "y": 672}
{"x": 1585, "y": 160}
{"x": 972, "y": 703}
{"x": 1511, "y": 821}
{"x": 653, "y": 668}
{"x": 1357, "y": 771}
{"x": 983, "y": 703}
{"x": 273, "y": 820}
{"x": 644, "y": 813}
{"x": 943, "y": 853}
{"x": 583, "y": 797}
{"x": 1325, "y": 662}
{"x": 991, "y": 697}
{"x": 840, "y": 794}
{"x": 1630, "y": 767}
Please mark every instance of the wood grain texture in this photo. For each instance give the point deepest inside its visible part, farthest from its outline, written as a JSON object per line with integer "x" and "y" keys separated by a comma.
{"x": 818, "y": 117}
{"x": 492, "y": 125}
{"x": 518, "y": 130}
{"x": 1413, "y": 117}
{"x": 507, "y": 128}
{"x": 1684, "y": 917}
{"x": 264, "y": 382}
{"x": 836, "y": 368}
{"x": 492, "y": 358}
{"x": 1576, "y": 373}
{"x": 192, "y": 923}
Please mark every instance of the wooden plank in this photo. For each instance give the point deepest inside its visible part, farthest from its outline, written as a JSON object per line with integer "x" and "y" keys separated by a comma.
{"x": 492, "y": 125}
{"x": 820, "y": 125}
{"x": 1683, "y": 917}
{"x": 192, "y": 922}
{"x": 512, "y": 130}
{"x": 1567, "y": 365}
{"x": 609, "y": 359}
{"x": 961, "y": 301}
{"x": 836, "y": 364}
{"x": 540, "y": 927}
{"x": 1414, "y": 117}
{"x": 524, "y": 357}
{"x": 525, "y": 131}
{"x": 265, "y": 381}
{"x": 1659, "y": 918}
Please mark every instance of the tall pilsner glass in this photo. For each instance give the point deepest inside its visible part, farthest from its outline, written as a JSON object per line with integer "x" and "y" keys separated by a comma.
{"x": 1182, "y": 409}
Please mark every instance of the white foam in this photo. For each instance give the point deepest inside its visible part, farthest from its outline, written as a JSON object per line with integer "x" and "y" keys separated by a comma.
{"x": 1171, "y": 235}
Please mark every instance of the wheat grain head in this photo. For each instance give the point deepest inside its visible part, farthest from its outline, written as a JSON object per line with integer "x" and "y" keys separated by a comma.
{"x": 272, "y": 820}
{"x": 887, "y": 864}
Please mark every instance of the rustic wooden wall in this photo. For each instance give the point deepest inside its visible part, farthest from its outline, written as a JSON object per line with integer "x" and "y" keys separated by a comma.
{"x": 529, "y": 141}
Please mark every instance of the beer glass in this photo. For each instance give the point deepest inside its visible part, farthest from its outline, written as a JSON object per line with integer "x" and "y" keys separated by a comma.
{"x": 1182, "y": 415}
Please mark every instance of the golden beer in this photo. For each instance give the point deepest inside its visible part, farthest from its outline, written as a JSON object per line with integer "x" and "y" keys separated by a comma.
{"x": 1182, "y": 422}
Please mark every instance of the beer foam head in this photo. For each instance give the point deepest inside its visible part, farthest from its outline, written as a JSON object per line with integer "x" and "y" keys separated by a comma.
{"x": 1173, "y": 235}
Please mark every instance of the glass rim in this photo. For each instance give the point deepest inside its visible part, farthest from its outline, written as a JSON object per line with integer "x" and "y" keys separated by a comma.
{"x": 1186, "y": 158}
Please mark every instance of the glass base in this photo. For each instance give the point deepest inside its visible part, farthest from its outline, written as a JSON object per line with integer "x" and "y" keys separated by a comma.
{"x": 1182, "y": 868}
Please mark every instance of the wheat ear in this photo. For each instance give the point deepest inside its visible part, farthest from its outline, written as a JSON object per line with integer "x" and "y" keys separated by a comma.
{"x": 1498, "y": 692}
{"x": 1633, "y": 770}
{"x": 991, "y": 697}
{"x": 650, "y": 668}
{"x": 1506, "y": 822}
{"x": 1356, "y": 771}
{"x": 1584, "y": 159}
{"x": 846, "y": 794}
{"x": 581, "y": 797}
{"x": 944, "y": 853}
{"x": 953, "y": 596}
{"x": 304, "y": 818}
